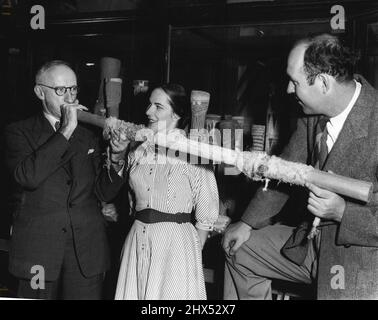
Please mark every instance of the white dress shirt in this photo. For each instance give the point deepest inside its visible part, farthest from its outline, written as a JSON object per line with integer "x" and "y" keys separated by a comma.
{"x": 50, "y": 118}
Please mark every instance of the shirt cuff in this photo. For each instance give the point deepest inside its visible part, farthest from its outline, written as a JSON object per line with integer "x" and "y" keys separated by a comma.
{"x": 204, "y": 226}
{"x": 120, "y": 172}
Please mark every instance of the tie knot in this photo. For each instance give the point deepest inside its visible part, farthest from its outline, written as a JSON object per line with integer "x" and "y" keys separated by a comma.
{"x": 323, "y": 122}
{"x": 57, "y": 125}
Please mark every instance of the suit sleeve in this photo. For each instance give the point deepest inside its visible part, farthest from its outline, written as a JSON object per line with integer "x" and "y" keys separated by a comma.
{"x": 359, "y": 225}
{"x": 30, "y": 167}
{"x": 108, "y": 182}
{"x": 266, "y": 204}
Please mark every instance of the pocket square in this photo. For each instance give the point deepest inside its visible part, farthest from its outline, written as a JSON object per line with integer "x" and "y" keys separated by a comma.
{"x": 90, "y": 151}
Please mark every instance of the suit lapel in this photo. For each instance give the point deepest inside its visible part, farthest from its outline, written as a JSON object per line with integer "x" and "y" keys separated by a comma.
{"x": 78, "y": 146}
{"x": 354, "y": 129}
{"x": 41, "y": 132}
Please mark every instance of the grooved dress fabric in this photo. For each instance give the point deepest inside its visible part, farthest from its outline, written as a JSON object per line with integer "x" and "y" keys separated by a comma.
{"x": 163, "y": 261}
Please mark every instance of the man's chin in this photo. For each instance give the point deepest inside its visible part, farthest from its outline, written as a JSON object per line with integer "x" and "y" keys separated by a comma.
{"x": 306, "y": 110}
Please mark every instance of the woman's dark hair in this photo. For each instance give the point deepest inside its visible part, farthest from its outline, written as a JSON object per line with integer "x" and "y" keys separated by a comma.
{"x": 327, "y": 54}
{"x": 179, "y": 102}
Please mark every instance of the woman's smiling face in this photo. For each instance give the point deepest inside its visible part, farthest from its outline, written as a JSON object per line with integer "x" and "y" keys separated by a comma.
{"x": 160, "y": 113}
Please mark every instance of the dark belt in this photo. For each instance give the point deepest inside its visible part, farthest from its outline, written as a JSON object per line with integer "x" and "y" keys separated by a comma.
{"x": 154, "y": 216}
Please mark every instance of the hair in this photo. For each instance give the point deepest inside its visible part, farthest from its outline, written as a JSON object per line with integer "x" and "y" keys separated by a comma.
{"x": 49, "y": 65}
{"x": 327, "y": 54}
{"x": 179, "y": 102}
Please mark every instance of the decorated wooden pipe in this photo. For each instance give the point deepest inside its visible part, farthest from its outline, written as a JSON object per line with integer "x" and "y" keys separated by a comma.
{"x": 261, "y": 166}
{"x": 110, "y": 91}
{"x": 199, "y": 101}
{"x": 126, "y": 130}
{"x": 256, "y": 165}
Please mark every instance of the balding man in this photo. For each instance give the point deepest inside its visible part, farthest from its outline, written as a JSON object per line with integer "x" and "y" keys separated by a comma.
{"x": 339, "y": 134}
{"x": 58, "y": 243}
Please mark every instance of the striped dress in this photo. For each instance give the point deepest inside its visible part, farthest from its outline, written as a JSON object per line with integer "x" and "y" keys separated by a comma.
{"x": 163, "y": 261}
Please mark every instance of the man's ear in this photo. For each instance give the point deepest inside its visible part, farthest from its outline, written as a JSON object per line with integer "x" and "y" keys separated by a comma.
{"x": 39, "y": 92}
{"x": 325, "y": 82}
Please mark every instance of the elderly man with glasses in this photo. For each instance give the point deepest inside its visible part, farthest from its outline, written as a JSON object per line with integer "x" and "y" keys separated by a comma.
{"x": 58, "y": 243}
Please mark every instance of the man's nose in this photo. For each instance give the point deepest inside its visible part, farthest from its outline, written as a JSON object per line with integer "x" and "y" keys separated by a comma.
{"x": 69, "y": 97}
{"x": 290, "y": 88}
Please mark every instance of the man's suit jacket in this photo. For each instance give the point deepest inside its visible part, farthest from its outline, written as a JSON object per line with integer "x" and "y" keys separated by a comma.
{"x": 349, "y": 249}
{"x": 58, "y": 184}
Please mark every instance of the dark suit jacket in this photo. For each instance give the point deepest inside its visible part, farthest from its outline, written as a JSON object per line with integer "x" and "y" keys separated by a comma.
{"x": 353, "y": 243}
{"x": 58, "y": 184}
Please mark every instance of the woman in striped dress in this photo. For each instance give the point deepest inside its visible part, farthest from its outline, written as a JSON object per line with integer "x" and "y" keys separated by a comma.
{"x": 162, "y": 254}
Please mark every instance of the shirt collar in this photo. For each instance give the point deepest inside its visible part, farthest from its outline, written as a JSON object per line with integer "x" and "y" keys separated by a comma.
{"x": 50, "y": 118}
{"x": 341, "y": 117}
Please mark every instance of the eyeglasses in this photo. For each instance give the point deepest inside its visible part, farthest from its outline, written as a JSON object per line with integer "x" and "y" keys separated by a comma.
{"x": 61, "y": 90}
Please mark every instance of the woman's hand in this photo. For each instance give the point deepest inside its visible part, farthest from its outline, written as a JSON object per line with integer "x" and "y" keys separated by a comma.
{"x": 109, "y": 211}
{"x": 221, "y": 224}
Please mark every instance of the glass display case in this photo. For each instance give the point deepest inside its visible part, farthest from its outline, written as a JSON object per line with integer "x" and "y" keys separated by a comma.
{"x": 243, "y": 67}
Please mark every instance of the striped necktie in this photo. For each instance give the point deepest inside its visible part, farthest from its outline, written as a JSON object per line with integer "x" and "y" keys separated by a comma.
{"x": 321, "y": 144}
